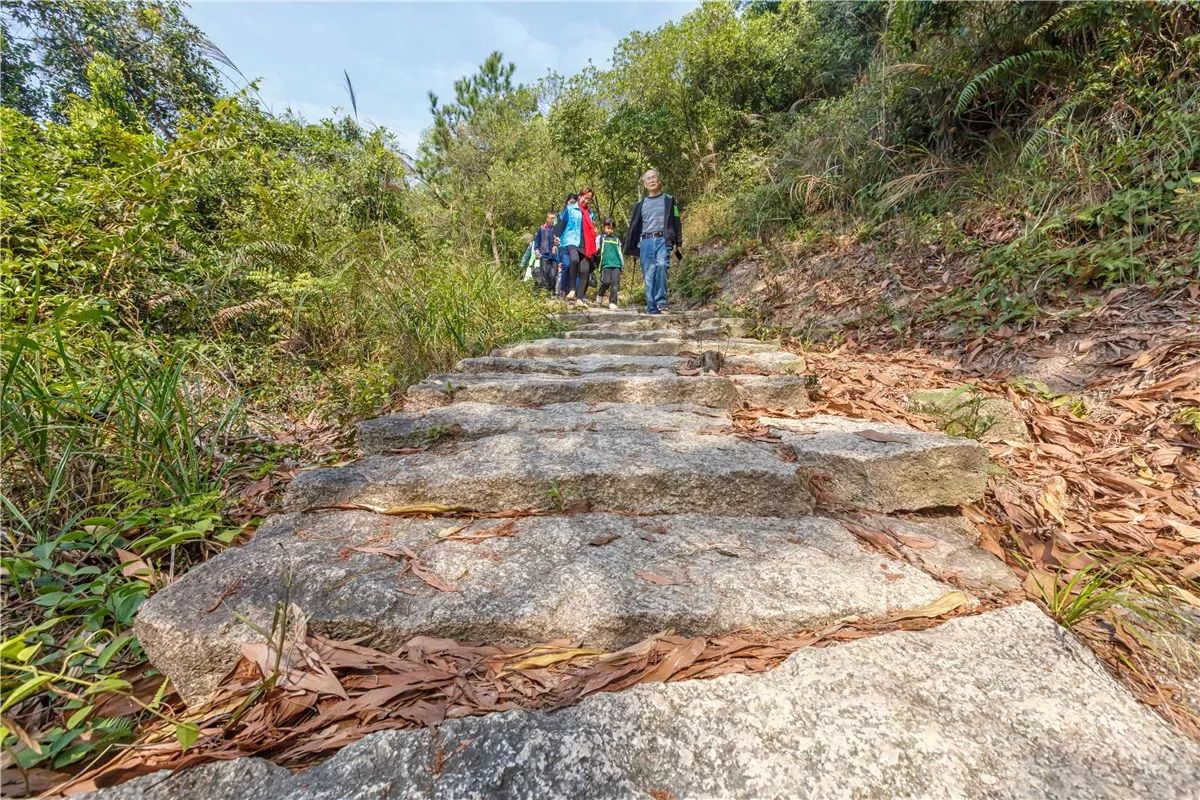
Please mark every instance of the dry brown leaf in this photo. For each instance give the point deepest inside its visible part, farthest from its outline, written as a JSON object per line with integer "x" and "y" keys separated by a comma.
{"x": 1040, "y": 584}
{"x": 603, "y": 539}
{"x": 1054, "y": 495}
{"x": 545, "y": 659}
{"x": 873, "y": 536}
{"x": 430, "y": 577}
{"x": 915, "y": 541}
{"x": 943, "y": 605}
{"x": 880, "y": 436}
{"x": 1187, "y": 532}
{"x": 132, "y": 566}
{"x": 651, "y": 577}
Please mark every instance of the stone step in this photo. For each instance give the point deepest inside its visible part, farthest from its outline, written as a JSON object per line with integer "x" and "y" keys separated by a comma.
{"x": 659, "y": 335}
{"x": 1004, "y": 704}
{"x": 539, "y": 389}
{"x": 703, "y": 332}
{"x": 767, "y": 362}
{"x": 603, "y": 315}
{"x": 647, "y": 472}
{"x": 655, "y": 389}
{"x": 910, "y": 469}
{"x": 465, "y": 420}
{"x": 627, "y": 471}
{"x": 544, "y": 580}
{"x": 557, "y": 348}
{"x": 577, "y": 365}
{"x": 735, "y": 326}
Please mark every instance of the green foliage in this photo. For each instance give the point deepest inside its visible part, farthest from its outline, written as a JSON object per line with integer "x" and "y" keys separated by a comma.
{"x": 171, "y": 259}
{"x": 958, "y": 413}
{"x": 1078, "y": 119}
{"x": 154, "y": 290}
{"x": 158, "y": 61}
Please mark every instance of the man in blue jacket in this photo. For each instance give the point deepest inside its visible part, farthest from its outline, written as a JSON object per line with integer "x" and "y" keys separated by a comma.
{"x": 654, "y": 233}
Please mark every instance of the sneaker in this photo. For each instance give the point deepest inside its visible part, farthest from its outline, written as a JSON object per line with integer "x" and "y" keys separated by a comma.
{"x": 655, "y": 312}
{"x": 570, "y": 295}
{"x": 663, "y": 310}
{"x": 581, "y": 303}
{"x": 612, "y": 307}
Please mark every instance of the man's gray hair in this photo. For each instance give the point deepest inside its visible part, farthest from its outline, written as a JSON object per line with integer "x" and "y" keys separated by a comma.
{"x": 649, "y": 172}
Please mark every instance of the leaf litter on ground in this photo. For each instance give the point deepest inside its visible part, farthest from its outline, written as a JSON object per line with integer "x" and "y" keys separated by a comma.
{"x": 1117, "y": 485}
{"x": 330, "y": 693}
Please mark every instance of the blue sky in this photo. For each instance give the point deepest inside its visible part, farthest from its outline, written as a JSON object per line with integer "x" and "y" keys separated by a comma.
{"x": 396, "y": 51}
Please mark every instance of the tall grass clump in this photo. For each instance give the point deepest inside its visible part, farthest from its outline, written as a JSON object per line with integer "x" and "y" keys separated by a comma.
{"x": 111, "y": 487}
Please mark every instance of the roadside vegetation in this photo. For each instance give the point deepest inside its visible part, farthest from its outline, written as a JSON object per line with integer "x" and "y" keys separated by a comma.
{"x": 189, "y": 285}
{"x": 196, "y": 291}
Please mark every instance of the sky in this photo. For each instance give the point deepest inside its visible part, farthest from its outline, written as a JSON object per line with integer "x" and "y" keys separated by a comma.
{"x": 397, "y": 51}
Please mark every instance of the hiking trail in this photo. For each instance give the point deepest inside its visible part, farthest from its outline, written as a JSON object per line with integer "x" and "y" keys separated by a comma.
{"x": 668, "y": 479}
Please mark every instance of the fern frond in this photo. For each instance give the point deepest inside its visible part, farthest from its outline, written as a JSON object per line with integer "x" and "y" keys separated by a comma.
{"x": 1038, "y": 139}
{"x": 225, "y": 315}
{"x": 1025, "y": 62}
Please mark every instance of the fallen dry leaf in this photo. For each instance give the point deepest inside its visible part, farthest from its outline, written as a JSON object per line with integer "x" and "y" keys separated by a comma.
{"x": 651, "y": 577}
{"x": 1054, "y": 495}
{"x": 915, "y": 541}
{"x": 430, "y": 577}
{"x": 603, "y": 539}
{"x": 880, "y": 436}
{"x": 1188, "y": 532}
{"x": 943, "y": 605}
{"x": 553, "y": 657}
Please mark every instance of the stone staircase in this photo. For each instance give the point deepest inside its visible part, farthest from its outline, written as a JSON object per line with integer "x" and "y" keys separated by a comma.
{"x": 642, "y": 464}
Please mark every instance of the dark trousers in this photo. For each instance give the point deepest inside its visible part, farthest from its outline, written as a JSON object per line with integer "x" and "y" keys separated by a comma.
{"x": 610, "y": 279}
{"x": 548, "y": 273}
{"x": 579, "y": 270}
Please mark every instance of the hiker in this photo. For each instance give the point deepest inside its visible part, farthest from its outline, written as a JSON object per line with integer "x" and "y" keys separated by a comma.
{"x": 562, "y": 263}
{"x": 561, "y": 248}
{"x": 529, "y": 259}
{"x": 587, "y": 204}
{"x": 575, "y": 234}
{"x": 608, "y": 245}
{"x": 547, "y": 274}
{"x": 654, "y": 232}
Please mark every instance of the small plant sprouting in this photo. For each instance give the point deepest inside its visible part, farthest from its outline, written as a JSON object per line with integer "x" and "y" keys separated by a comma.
{"x": 555, "y": 494}
{"x": 436, "y": 434}
{"x": 960, "y": 413}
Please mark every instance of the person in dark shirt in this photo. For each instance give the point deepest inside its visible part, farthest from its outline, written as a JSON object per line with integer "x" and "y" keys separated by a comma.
{"x": 543, "y": 242}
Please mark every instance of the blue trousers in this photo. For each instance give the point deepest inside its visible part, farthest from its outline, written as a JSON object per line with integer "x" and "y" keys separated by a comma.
{"x": 655, "y": 256}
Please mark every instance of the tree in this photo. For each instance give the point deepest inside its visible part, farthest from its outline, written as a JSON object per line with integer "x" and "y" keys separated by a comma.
{"x": 485, "y": 153}
{"x": 163, "y": 60}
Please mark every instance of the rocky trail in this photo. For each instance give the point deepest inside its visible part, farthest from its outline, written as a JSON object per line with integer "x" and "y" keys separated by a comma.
{"x": 642, "y": 505}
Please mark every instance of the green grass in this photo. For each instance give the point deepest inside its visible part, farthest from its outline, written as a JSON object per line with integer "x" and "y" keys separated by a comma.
{"x": 117, "y": 447}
